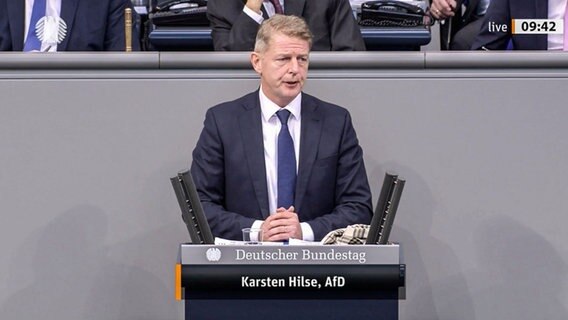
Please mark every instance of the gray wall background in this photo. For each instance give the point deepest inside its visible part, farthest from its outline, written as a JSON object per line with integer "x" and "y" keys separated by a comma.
{"x": 89, "y": 224}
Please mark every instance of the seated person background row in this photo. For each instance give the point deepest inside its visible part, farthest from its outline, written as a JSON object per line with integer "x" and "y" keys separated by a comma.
{"x": 92, "y": 25}
{"x": 461, "y": 21}
{"x": 502, "y": 11}
{"x": 234, "y": 24}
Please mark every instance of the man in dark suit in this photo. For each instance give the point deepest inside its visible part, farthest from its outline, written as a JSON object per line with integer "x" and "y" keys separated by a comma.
{"x": 235, "y": 22}
{"x": 91, "y": 25}
{"x": 501, "y": 12}
{"x": 242, "y": 160}
{"x": 461, "y": 21}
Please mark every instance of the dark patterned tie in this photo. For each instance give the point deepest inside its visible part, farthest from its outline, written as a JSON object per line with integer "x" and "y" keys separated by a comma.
{"x": 277, "y": 6}
{"x": 38, "y": 12}
{"x": 286, "y": 163}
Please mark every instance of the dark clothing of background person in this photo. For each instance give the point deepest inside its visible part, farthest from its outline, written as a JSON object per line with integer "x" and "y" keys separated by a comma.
{"x": 459, "y": 31}
{"x": 331, "y": 22}
{"x": 501, "y": 12}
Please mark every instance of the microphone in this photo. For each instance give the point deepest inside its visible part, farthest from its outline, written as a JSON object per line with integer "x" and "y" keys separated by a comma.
{"x": 128, "y": 29}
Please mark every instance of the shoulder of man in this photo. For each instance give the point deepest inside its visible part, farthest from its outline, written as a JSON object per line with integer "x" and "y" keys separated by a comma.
{"x": 323, "y": 105}
{"x": 232, "y": 107}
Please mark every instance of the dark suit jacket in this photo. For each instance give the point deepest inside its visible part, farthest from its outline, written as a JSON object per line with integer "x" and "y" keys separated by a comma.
{"x": 228, "y": 167}
{"x": 96, "y": 25}
{"x": 331, "y": 22}
{"x": 501, "y": 12}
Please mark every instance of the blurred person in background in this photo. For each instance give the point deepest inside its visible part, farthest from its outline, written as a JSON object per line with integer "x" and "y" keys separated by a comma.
{"x": 501, "y": 12}
{"x": 460, "y": 21}
{"x": 65, "y": 25}
{"x": 234, "y": 23}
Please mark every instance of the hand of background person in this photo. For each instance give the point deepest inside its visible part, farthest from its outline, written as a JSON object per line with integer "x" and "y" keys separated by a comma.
{"x": 442, "y": 9}
{"x": 282, "y": 225}
{"x": 254, "y": 5}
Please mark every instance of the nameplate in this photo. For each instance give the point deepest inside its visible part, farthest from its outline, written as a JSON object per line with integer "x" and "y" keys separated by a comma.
{"x": 283, "y": 254}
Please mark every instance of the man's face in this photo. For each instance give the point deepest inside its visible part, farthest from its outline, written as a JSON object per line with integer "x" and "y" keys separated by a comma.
{"x": 282, "y": 67}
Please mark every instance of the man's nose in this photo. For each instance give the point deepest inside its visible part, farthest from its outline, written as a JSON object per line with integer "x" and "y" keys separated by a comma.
{"x": 294, "y": 65}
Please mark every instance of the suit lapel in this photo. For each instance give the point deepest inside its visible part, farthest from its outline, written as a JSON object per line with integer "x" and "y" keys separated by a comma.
{"x": 470, "y": 10}
{"x": 309, "y": 140}
{"x": 68, "y": 10}
{"x": 16, "y": 15}
{"x": 251, "y": 132}
{"x": 294, "y": 7}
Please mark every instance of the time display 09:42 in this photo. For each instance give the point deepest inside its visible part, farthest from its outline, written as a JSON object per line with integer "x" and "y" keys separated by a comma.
{"x": 537, "y": 26}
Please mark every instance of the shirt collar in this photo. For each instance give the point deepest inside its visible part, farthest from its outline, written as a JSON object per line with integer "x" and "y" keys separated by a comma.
{"x": 269, "y": 108}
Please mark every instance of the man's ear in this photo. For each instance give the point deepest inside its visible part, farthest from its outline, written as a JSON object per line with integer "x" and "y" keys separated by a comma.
{"x": 255, "y": 61}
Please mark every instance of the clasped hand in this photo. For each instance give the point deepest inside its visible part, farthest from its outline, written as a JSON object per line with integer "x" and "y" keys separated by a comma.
{"x": 282, "y": 225}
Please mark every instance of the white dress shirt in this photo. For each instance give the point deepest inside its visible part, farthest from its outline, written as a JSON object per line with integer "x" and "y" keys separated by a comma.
{"x": 268, "y": 6}
{"x": 556, "y": 9}
{"x": 270, "y": 129}
{"x": 52, "y": 8}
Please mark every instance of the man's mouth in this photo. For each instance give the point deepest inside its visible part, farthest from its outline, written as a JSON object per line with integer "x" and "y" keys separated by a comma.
{"x": 291, "y": 83}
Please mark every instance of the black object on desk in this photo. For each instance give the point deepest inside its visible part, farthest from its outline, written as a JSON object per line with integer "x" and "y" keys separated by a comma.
{"x": 385, "y": 211}
{"x": 181, "y": 39}
{"x": 376, "y": 39}
{"x": 191, "y": 209}
{"x": 393, "y": 39}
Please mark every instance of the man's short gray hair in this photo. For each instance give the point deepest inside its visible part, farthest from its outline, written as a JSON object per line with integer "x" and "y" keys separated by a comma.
{"x": 291, "y": 26}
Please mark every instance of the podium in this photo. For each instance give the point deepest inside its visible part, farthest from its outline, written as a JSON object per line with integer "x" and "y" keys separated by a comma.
{"x": 276, "y": 282}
